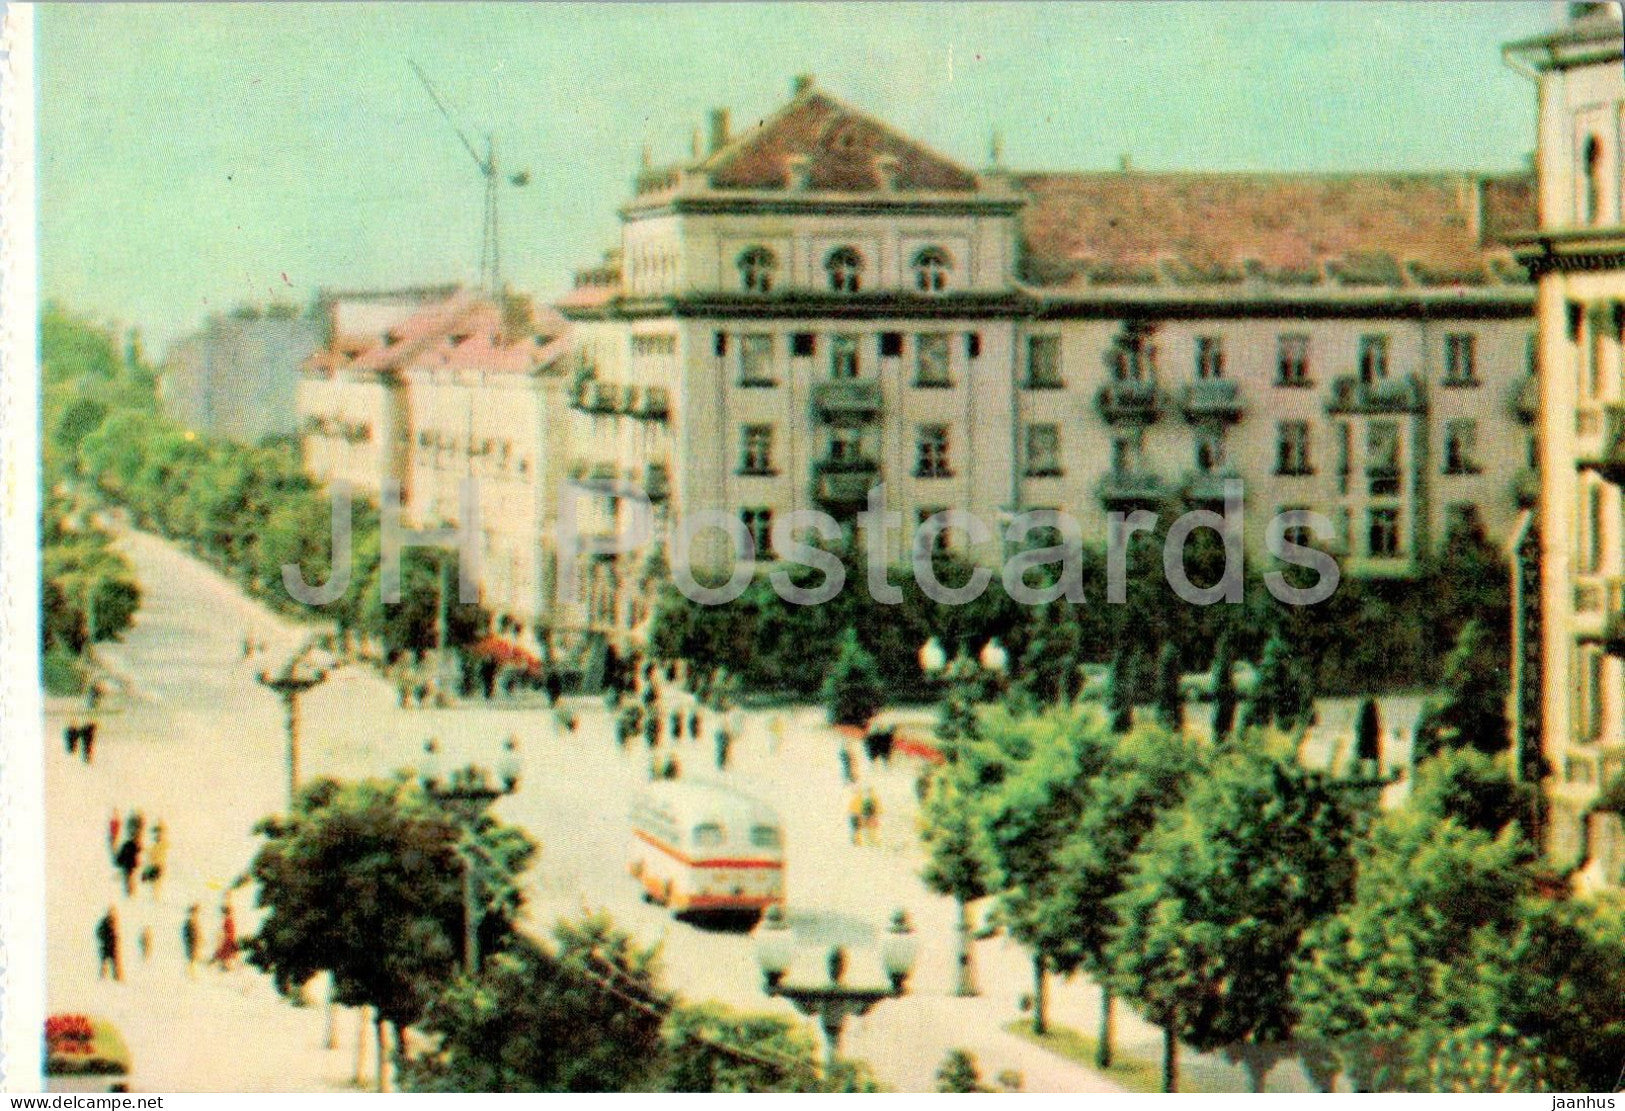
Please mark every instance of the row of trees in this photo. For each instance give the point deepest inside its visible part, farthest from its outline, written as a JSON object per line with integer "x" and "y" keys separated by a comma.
{"x": 363, "y": 882}
{"x": 248, "y": 510}
{"x": 1370, "y": 637}
{"x": 1252, "y": 906}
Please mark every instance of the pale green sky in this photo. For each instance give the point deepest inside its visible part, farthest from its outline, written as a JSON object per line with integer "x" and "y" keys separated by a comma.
{"x": 195, "y": 156}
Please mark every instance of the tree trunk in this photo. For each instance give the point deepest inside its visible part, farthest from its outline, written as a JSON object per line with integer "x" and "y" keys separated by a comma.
{"x": 383, "y": 1053}
{"x": 1170, "y": 1060}
{"x": 1103, "y": 1049}
{"x": 965, "y": 985}
{"x": 1255, "y": 1073}
{"x": 1040, "y": 996}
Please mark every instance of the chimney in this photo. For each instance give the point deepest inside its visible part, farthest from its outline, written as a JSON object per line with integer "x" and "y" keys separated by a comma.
{"x": 719, "y": 129}
{"x": 802, "y": 83}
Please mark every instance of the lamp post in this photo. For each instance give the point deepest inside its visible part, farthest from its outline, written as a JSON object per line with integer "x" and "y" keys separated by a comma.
{"x": 292, "y": 681}
{"x": 833, "y": 1000}
{"x": 466, "y": 794}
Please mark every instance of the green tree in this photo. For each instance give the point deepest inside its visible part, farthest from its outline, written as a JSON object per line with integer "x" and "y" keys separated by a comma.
{"x": 957, "y": 855}
{"x": 1284, "y": 697}
{"x": 1219, "y": 898}
{"x": 1224, "y": 689}
{"x": 958, "y": 1073}
{"x": 1170, "y": 699}
{"x": 584, "y": 1015}
{"x": 711, "y": 1049}
{"x": 1145, "y": 776}
{"x": 1472, "y": 712}
{"x": 853, "y": 692}
{"x": 1121, "y": 689}
{"x": 363, "y": 881}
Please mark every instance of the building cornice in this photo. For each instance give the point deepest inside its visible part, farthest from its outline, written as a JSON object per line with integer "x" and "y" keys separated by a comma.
{"x": 825, "y": 204}
{"x": 1571, "y": 249}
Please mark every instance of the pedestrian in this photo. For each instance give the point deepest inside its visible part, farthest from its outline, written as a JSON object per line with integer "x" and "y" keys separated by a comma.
{"x": 70, "y": 738}
{"x": 107, "y": 946}
{"x": 694, "y": 723}
{"x": 135, "y": 825}
{"x": 226, "y": 952}
{"x": 724, "y": 741}
{"x": 845, "y": 755}
{"x": 129, "y": 856}
{"x": 676, "y": 725}
{"x": 854, "y": 813}
{"x": 190, "y": 935}
{"x": 555, "y": 688}
{"x": 871, "y": 816}
{"x": 775, "y": 734}
{"x": 87, "y": 740}
{"x": 143, "y": 942}
{"x": 651, "y": 728}
{"x": 112, "y": 836}
{"x": 157, "y": 858}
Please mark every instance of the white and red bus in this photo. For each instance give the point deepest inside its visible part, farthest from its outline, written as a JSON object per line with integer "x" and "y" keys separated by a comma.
{"x": 705, "y": 847}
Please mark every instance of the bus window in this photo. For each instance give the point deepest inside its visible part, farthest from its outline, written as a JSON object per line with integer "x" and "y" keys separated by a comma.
{"x": 765, "y": 837}
{"x": 707, "y": 836}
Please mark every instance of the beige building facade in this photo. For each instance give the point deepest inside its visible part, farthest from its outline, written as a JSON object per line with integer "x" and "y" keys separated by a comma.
{"x": 821, "y": 306}
{"x": 1571, "y": 677}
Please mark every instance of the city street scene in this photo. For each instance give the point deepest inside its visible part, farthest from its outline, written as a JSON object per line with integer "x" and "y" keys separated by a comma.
{"x": 995, "y": 548}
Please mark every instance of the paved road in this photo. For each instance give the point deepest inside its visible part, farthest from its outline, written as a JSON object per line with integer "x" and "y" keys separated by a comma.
{"x": 201, "y": 746}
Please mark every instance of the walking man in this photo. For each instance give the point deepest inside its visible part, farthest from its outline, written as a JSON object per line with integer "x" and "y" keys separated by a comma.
{"x": 87, "y": 739}
{"x": 129, "y": 856}
{"x": 70, "y": 738}
{"x": 190, "y": 936}
{"x": 107, "y": 946}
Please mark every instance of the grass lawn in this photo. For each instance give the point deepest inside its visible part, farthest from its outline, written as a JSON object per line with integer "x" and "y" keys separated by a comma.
{"x": 1133, "y": 1072}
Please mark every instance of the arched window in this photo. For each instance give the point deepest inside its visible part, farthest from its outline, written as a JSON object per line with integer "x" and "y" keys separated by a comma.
{"x": 931, "y": 268}
{"x": 756, "y": 266}
{"x": 845, "y": 268}
{"x": 1593, "y": 179}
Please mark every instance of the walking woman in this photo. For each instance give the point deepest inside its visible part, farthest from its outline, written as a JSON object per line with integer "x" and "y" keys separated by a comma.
{"x": 157, "y": 858}
{"x": 225, "y": 953}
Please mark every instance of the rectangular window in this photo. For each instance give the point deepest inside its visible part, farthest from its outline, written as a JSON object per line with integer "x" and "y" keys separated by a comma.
{"x": 1460, "y": 360}
{"x": 939, "y": 542}
{"x": 758, "y": 523}
{"x": 1594, "y": 529}
{"x": 1292, "y": 360}
{"x": 1463, "y": 518}
{"x": 931, "y": 360}
{"x": 719, "y": 344}
{"x": 973, "y": 345}
{"x": 1043, "y": 450}
{"x": 803, "y": 345}
{"x": 1209, "y": 450}
{"x": 1531, "y": 355}
{"x": 1382, "y": 533}
{"x": 1382, "y": 457}
{"x": 1299, "y": 534}
{"x": 756, "y": 454}
{"x": 931, "y": 457}
{"x": 891, "y": 345}
{"x": 1461, "y": 447}
{"x": 1292, "y": 448}
{"x": 1594, "y": 685}
{"x": 1576, "y": 317}
{"x": 845, "y": 444}
{"x": 1127, "y": 454}
{"x": 1044, "y": 363}
{"x": 756, "y": 360}
{"x": 843, "y": 357}
{"x": 1209, "y": 357}
{"x": 1373, "y": 358}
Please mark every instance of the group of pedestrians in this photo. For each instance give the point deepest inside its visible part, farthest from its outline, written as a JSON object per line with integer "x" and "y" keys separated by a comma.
{"x": 109, "y": 953}
{"x": 135, "y": 854}
{"x": 660, "y": 707}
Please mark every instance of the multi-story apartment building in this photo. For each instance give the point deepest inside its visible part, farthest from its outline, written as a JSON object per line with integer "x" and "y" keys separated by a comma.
{"x": 1572, "y": 623}
{"x": 820, "y": 306}
{"x": 236, "y": 376}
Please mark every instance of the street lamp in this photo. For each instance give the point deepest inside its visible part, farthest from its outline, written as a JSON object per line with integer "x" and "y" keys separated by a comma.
{"x": 295, "y": 678}
{"x": 932, "y": 658}
{"x": 994, "y": 658}
{"x": 832, "y": 1000}
{"x": 466, "y": 794}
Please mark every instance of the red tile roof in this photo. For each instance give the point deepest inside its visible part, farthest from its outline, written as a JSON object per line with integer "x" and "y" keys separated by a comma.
{"x": 1094, "y": 228}
{"x": 461, "y": 332}
{"x": 839, "y": 148}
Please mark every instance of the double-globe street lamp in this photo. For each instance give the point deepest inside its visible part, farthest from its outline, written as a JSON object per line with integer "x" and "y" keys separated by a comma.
{"x": 296, "y": 677}
{"x": 832, "y": 1000}
{"x": 466, "y": 794}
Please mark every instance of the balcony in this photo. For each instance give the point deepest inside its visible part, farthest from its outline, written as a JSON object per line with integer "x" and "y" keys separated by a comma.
{"x": 1207, "y": 487}
{"x": 653, "y": 404}
{"x": 1128, "y": 400}
{"x": 1212, "y": 399}
{"x": 1608, "y": 458}
{"x": 1384, "y": 480}
{"x": 846, "y": 401}
{"x": 1401, "y": 394}
{"x": 593, "y": 396}
{"x": 656, "y": 482}
{"x": 1127, "y": 489}
{"x": 844, "y": 482}
{"x": 1526, "y": 488}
